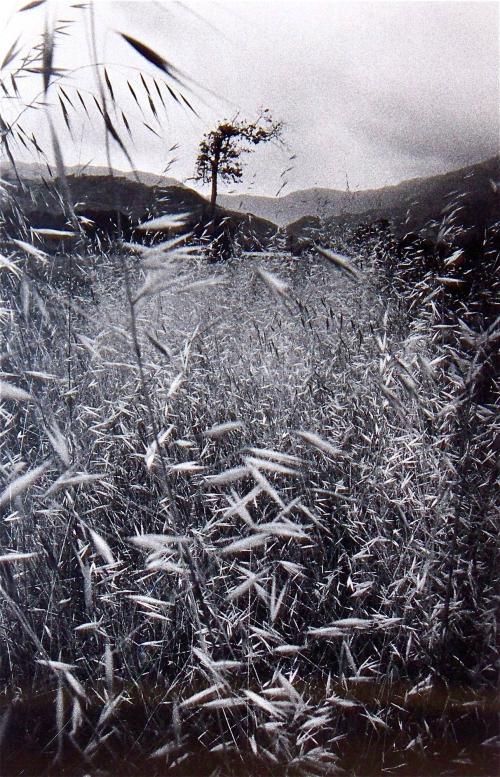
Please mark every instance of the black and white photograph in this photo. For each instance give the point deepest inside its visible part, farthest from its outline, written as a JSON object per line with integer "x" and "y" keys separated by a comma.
{"x": 249, "y": 388}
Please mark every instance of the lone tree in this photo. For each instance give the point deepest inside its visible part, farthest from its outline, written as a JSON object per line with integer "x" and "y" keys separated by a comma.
{"x": 221, "y": 149}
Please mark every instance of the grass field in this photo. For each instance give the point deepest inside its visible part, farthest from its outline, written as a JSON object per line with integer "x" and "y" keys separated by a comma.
{"x": 248, "y": 520}
{"x": 248, "y": 508}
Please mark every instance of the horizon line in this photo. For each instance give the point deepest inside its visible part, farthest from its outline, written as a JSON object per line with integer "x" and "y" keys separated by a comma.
{"x": 124, "y": 173}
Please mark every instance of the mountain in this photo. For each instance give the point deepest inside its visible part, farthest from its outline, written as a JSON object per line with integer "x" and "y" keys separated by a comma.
{"x": 290, "y": 207}
{"x": 408, "y": 206}
{"x": 106, "y": 202}
{"x": 420, "y": 198}
{"x": 36, "y": 171}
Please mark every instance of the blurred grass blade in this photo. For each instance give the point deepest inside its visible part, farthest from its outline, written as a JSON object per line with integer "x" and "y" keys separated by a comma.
{"x": 23, "y": 483}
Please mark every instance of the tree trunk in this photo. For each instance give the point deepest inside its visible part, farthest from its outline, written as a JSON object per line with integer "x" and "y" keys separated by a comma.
{"x": 213, "y": 196}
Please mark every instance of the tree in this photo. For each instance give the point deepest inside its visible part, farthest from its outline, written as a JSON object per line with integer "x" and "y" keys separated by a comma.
{"x": 221, "y": 149}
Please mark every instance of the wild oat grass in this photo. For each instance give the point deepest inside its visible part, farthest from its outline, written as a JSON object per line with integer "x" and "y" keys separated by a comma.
{"x": 248, "y": 515}
{"x": 243, "y": 529}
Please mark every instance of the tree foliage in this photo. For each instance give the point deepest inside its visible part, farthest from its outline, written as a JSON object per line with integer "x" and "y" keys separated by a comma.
{"x": 221, "y": 149}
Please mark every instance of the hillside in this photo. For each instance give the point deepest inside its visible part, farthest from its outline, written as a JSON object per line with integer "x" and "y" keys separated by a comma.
{"x": 409, "y": 205}
{"x": 34, "y": 171}
{"x": 99, "y": 198}
{"x": 423, "y": 197}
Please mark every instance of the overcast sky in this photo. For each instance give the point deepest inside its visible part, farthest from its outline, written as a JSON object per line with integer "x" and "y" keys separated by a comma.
{"x": 370, "y": 92}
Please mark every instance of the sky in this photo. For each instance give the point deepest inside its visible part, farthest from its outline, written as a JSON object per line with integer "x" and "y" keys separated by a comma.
{"x": 371, "y": 93}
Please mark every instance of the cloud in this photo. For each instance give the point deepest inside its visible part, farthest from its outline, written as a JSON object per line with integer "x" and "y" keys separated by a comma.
{"x": 399, "y": 125}
{"x": 375, "y": 91}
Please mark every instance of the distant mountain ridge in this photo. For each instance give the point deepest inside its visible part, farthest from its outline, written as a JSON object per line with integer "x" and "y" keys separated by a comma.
{"x": 35, "y": 171}
{"x": 387, "y": 202}
{"x": 408, "y": 205}
{"x": 116, "y": 204}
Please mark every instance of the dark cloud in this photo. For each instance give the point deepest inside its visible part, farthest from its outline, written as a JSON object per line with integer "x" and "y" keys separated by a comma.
{"x": 401, "y": 127}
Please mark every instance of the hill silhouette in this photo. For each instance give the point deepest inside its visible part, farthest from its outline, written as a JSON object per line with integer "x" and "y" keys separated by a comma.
{"x": 98, "y": 196}
{"x": 414, "y": 201}
{"x": 120, "y": 202}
